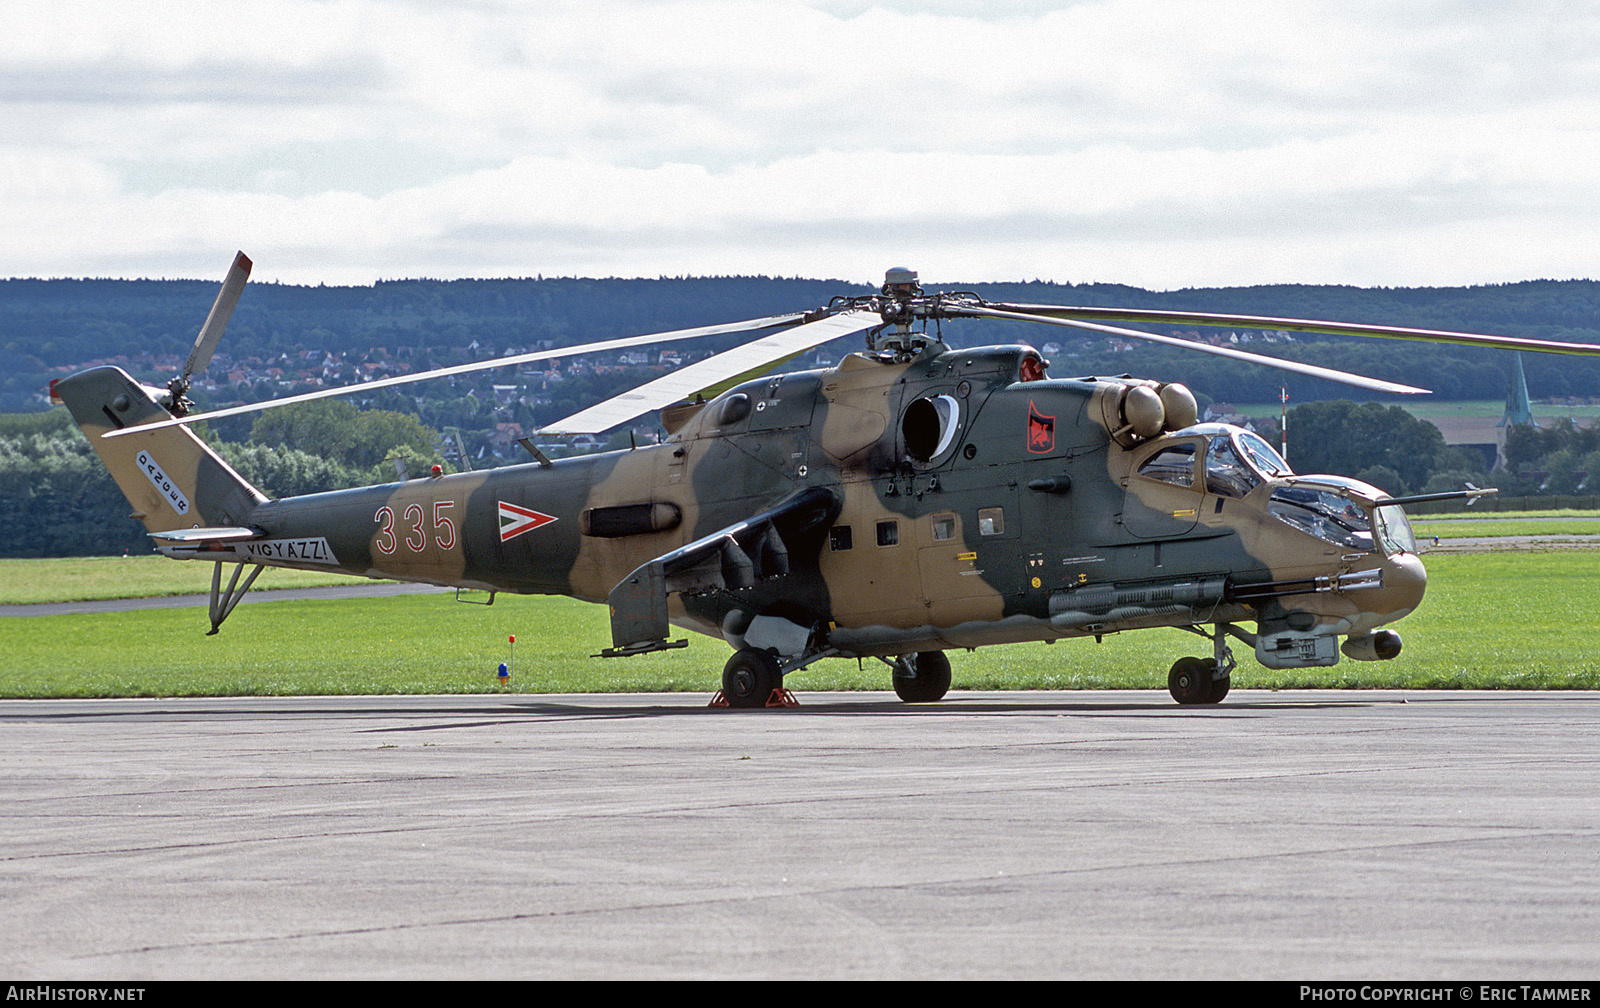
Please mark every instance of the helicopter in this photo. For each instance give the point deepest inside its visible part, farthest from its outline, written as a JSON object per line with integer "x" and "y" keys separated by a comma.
{"x": 909, "y": 501}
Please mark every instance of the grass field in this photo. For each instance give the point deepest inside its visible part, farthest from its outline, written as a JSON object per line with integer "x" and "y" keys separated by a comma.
{"x": 1463, "y": 528}
{"x": 1470, "y": 524}
{"x": 83, "y": 579}
{"x": 1491, "y": 620}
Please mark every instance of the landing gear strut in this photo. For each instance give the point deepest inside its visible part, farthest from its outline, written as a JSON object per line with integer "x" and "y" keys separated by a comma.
{"x": 224, "y": 599}
{"x": 1204, "y": 680}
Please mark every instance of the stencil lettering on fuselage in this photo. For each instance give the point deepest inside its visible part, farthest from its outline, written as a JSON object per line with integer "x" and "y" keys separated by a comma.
{"x": 169, "y": 490}
{"x": 315, "y": 551}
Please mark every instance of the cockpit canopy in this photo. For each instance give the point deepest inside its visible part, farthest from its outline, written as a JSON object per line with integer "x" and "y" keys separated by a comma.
{"x": 1234, "y": 461}
{"x": 1230, "y": 462}
{"x": 1336, "y": 510}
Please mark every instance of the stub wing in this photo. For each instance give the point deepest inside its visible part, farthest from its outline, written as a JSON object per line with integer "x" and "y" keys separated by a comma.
{"x": 747, "y": 550}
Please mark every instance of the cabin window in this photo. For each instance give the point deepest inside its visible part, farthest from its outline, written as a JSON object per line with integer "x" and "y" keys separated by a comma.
{"x": 944, "y": 528}
{"x": 1172, "y": 464}
{"x": 991, "y": 521}
{"x": 839, "y": 538}
{"x": 888, "y": 533}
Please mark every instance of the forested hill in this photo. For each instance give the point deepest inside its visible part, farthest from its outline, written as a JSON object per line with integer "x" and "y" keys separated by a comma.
{"x": 51, "y": 327}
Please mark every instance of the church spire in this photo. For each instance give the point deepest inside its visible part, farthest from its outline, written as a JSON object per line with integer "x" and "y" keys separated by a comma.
{"x": 1519, "y": 408}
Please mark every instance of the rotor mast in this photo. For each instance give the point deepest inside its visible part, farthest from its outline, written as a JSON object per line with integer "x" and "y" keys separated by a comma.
{"x": 901, "y": 303}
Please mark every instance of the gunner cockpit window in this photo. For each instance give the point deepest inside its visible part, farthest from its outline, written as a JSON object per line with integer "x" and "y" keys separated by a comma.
{"x": 1329, "y": 516}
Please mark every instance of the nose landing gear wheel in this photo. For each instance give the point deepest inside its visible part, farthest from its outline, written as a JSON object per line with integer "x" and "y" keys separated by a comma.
{"x": 1195, "y": 681}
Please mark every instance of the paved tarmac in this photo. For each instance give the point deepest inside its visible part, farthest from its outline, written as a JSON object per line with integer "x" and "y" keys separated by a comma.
{"x": 1291, "y": 835}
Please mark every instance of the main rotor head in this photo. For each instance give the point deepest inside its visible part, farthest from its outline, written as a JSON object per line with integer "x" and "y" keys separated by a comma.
{"x": 901, "y": 303}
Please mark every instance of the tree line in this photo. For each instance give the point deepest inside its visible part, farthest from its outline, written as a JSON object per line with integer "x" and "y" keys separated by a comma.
{"x": 47, "y": 325}
{"x": 1382, "y": 445}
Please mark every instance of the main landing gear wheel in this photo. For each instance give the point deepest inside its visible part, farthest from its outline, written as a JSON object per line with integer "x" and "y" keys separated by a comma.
{"x": 922, "y": 677}
{"x": 1195, "y": 681}
{"x": 750, "y": 677}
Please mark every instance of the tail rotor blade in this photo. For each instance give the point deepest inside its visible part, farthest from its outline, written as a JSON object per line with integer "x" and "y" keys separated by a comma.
{"x": 205, "y": 344}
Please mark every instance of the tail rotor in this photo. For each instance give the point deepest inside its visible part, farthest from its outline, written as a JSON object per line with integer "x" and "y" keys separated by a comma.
{"x": 205, "y": 344}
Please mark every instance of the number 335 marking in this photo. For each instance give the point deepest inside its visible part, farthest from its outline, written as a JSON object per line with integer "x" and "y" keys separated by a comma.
{"x": 416, "y": 537}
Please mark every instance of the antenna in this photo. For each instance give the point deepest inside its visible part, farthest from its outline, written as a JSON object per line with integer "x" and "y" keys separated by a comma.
{"x": 1283, "y": 424}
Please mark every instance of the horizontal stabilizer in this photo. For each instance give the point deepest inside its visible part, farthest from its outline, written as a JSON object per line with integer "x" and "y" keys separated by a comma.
{"x": 205, "y": 535}
{"x": 203, "y": 543}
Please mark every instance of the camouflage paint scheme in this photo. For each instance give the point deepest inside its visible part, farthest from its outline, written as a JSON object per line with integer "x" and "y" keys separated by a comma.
{"x": 885, "y": 507}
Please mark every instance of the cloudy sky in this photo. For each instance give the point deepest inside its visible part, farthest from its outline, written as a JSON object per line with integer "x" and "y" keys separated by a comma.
{"x": 1154, "y": 143}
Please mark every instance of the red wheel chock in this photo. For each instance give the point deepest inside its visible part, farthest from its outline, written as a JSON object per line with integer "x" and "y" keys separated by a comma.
{"x": 780, "y": 698}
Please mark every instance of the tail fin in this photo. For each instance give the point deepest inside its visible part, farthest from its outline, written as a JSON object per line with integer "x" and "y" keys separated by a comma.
{"x": 171, "y": 477}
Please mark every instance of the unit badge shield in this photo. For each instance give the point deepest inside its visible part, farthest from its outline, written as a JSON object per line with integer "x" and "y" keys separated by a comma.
{"x": 1041, "y": 431}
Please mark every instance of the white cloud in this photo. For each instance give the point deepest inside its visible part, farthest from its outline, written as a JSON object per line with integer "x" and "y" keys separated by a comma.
{"x": 1143, "y": 141}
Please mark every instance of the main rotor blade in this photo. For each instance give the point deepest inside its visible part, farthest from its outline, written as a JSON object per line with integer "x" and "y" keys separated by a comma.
{"x": 205, "y": 344}
{"x": 1151, "y": 316}
{"x": 1375, "y": 384}
{"x": 745, "y": 361}
{"x": 573, "y": 351}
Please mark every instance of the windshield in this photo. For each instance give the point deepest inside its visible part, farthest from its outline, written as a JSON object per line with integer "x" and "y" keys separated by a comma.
{"x": 1394, "y": 531}
{"x": 1324, "y": 514}
{"x": 1225, "y": 474}
{"x": 1261, "y": 455}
